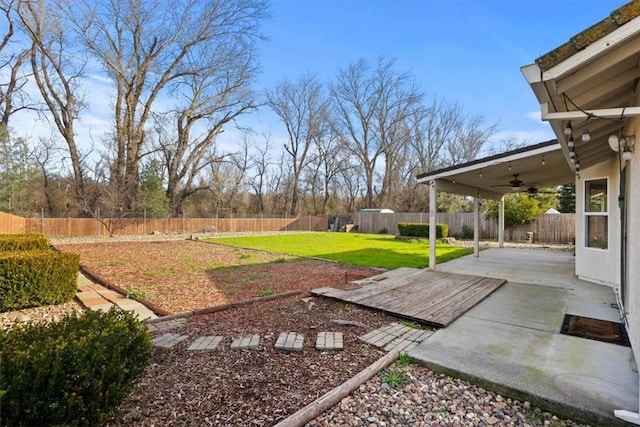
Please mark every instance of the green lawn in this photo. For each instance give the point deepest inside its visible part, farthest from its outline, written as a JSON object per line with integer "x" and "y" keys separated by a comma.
{"x": 367, "y": 250}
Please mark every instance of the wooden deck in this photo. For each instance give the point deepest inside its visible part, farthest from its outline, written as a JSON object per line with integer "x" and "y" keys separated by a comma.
{"x": 432, "y": 297}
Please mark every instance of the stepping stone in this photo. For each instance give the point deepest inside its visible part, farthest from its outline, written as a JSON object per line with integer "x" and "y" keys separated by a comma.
{"x": 396, "y": 336}
{"x": 169, "y": 340}
{"x": 161, "y": 326}
{"x": 206, "y": 343}
{"x": 247, "y": 342}
{"x": 329, "y": 341}
{"x": 290, "y": 341}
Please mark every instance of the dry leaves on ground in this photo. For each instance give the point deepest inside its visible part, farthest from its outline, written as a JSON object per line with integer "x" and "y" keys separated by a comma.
{"x": 184, "y": 275}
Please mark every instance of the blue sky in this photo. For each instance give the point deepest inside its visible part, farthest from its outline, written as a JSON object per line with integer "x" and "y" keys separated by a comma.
{"x": 468, "y": 51}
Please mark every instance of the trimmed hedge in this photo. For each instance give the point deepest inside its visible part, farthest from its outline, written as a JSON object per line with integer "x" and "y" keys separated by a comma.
{"x": 73, "y": 372}
{"x": 23, "y": 242}
{"x": 36, "y": 278}
{"x": 414, "y": 229}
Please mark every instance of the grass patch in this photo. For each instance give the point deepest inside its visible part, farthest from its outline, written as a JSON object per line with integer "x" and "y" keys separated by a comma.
{"x": 137, "y": 293}
{"x": 410, "y": 324}
{"x": 366, "y": 250}
{"x": 160, "y": 272}
{"x": 265, "y": 292}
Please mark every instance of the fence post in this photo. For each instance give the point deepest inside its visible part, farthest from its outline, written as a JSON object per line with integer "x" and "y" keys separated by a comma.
{"x": 42, "y": 220}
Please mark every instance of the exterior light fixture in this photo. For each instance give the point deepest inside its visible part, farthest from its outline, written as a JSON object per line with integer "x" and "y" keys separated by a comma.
{"x": 586, "y": 136}
{"x": 568, "y": 129}
{"x": 509, "y": 165}
{"x": 614, "y": 143}
{"x": 626, "y": 153}
{"x": 572, "y": 154}
{"x": 543, "y": 162}
{"x": 571, "y": 143}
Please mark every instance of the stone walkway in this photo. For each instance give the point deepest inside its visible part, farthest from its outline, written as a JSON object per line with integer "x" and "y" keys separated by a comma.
{"x": 396, "y": 336}
{"x": 98, "y": 297}
{"x": 392, "y": 336}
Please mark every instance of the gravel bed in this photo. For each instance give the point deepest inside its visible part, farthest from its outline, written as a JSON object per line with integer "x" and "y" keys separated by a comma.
{"x": 45, "y": 314}
{"x": 416, "y": 396}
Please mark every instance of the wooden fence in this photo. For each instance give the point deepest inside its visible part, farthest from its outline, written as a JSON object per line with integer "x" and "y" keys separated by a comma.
{"x": 548, "y": 228}
{"x": 11, "y": 224}
{"x": 61, "y": 227}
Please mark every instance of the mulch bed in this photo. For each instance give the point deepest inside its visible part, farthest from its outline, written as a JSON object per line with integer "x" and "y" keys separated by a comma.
{"x": 234, "y": 387}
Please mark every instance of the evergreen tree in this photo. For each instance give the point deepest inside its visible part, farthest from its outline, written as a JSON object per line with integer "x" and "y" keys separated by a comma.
{"x": 567, "y": 198}
{"x": 152, "y": 193}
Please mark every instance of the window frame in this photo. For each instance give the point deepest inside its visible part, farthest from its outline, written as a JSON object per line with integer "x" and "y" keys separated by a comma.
{"x": 600, "y": 214}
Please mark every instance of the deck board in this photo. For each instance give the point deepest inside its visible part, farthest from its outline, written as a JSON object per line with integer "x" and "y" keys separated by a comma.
{"x": 432, "y": 297}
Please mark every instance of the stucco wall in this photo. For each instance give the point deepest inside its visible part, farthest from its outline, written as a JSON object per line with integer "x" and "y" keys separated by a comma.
{"x": 633, "y": 246}
{"x": 592, "y": 264}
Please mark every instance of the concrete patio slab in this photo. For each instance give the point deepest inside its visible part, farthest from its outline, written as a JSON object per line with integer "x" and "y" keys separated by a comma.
{"x": 511, "y": 341}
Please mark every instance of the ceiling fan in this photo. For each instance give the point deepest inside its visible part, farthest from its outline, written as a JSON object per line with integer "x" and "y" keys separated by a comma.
{"x": 515, "y": 183}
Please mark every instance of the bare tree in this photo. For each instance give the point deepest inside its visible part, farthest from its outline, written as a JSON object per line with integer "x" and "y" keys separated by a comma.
{"x": 301, "y": 106}
{"x": 58, "y": 71}
{"x": 13, "y": 56}
{"x": 469, "y": 140}
{"x": 150, "y": 49}
{"x": 372, "y": 105}
{"x": 430, "y": 130}
{"x": 260, "y": 164}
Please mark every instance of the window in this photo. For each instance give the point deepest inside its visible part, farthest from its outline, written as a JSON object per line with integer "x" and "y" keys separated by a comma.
{"x": 596, "y": 213}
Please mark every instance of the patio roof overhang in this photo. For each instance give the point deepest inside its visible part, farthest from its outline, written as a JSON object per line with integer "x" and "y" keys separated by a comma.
{"x": 540, "y": 165}
{"x": 591, "y": 81}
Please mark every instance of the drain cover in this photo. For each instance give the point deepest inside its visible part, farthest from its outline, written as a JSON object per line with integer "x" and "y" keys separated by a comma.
{"x": 595, "y": 329}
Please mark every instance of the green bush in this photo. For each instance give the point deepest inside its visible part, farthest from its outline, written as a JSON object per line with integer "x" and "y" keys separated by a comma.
{"x": 466, "y": 233}
{"x": 73, "y": 372}
{"x": 23, "y": 242}
{"x": 413, "y": 229}
{"x": 36, "y": 278}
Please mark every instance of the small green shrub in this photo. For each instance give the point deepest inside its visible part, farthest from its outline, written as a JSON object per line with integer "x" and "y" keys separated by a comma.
{"x": 23, "y": 242}
{"x": 404, "y": 359}
{"x": 73, "y": 372}
{"x": 414, "y": 229}
{"x": 395, "y": 379}
{"x": 466, "y": 233}
{"x": 37, "y": 278}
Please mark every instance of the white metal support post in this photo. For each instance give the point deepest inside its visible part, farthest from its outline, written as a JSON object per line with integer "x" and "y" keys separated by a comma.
{"x": 476, "y": 226}
{"x": 432, "y": 224}
{"x": 501, "y": 223}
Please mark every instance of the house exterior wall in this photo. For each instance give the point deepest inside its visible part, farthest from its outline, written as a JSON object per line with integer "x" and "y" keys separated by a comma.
{"x": 593, "y": 264}
{"x": 633, "y": 242}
